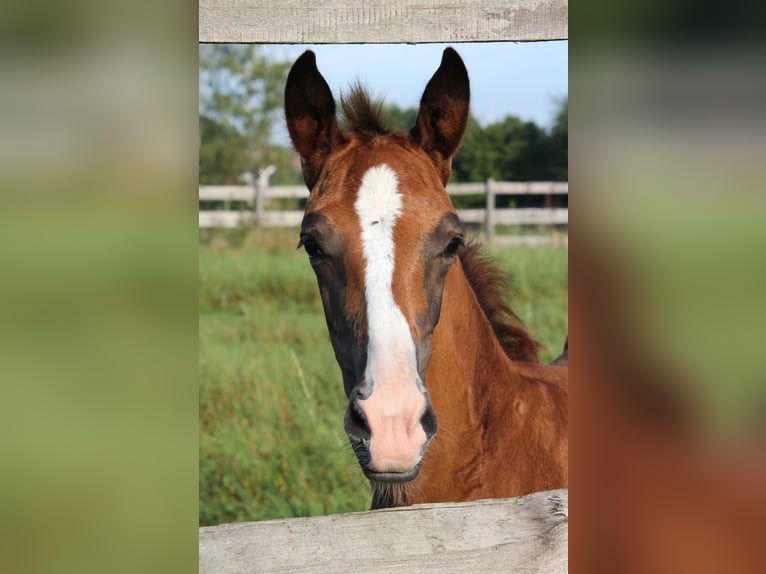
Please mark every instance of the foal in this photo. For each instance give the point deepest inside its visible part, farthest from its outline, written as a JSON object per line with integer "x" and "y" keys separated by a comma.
{"x": 416, "y": 316}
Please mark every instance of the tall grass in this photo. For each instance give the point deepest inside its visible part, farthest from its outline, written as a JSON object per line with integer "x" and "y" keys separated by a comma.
{"x": 271, "y": 399}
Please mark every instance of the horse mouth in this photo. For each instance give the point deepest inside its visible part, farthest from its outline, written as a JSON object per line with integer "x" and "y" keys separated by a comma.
{"x": 395, "y": 477}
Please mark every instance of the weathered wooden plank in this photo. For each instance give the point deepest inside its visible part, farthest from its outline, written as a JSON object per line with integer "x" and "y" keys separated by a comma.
{"x": 520, "y": 216}
{"x": 224, "y": 219}
{"x": 556, "y": 240}
{"x": 472, "y": 215}
{"x": 292, "y": 218}
{"x": 466, "y": 188}
{"x": 530, "y": 187}
{"x": 531, "y": 216}
{"x": 524, "y": 534}
{"x": 297, "y": 191}
{"x": 381, "y": 21}
{"x": 281, "y": 218}
{"x": 246, "y": 192}
{"x": 286, "y": 218}
{"x": 226, "y": 192}
{"x": 511, "y": 188}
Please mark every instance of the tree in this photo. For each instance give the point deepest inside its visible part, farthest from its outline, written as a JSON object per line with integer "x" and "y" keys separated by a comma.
{"x": 398, "y": 118}
{"x": 475, "y": 157}
{"x": 514, "y": 150}
{"x": 240, "y": 98}
{"x": 560, "y": 143}
{"x": 223, "y": 153}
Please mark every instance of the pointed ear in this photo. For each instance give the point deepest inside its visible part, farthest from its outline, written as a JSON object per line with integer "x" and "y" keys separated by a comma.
{"x": 310, "y": 114}
{"x": 443, "y": 113}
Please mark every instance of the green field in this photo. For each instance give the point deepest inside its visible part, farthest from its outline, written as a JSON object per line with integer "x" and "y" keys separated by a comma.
{"x": 271, "y": 399}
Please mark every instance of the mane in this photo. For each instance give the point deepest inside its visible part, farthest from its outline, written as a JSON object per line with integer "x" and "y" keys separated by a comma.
{"x": 363, "y": 114}
{"x": 491, "y": 287}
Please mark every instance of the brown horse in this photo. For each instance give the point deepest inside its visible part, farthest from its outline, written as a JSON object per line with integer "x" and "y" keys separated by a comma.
{"x": 416, "y": 316}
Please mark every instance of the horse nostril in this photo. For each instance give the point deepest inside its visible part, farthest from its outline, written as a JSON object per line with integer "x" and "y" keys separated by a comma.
{"x": 358, "y": 431}
{"x": 356, "y": 423}
{"x": 428, "y": 421}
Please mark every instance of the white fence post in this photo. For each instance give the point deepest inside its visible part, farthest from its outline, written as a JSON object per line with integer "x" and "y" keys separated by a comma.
{"x": 489, "y": 215}
{"x": 261, "y": 183}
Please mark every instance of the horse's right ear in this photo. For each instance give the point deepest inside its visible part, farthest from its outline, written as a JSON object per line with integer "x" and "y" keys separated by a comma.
{"x": 310, "y": 114}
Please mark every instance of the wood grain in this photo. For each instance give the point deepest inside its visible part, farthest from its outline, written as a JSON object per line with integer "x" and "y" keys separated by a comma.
{"x": 381, "y": 21}
{"x": 524, "y": 534}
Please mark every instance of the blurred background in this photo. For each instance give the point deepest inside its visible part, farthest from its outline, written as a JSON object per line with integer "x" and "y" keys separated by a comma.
{"x": 98, "y": 272}
{"x": 667, "y": 280}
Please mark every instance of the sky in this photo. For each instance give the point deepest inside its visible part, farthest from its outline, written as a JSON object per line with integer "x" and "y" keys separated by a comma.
{"x": 507, "y": 78}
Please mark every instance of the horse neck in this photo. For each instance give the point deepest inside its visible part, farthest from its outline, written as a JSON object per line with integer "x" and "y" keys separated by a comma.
{"x": 478, "y": 393}
{"x": 466, "y": 356}
{"x": 464, "y": 351}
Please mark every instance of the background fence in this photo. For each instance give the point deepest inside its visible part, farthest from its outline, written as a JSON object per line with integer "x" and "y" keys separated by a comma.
{"x": 253, "y": 210}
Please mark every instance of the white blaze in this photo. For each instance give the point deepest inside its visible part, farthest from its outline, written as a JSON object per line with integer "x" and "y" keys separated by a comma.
{"x": 391, "y": 352}
{"x": 395, "y": 403}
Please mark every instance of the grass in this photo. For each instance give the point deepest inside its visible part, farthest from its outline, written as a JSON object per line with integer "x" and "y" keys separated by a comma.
{"x": 271, "y": 400}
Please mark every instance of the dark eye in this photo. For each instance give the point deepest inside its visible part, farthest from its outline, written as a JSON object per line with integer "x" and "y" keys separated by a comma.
{"x": 311, "y": 246}
{"x": 452, "y": 247}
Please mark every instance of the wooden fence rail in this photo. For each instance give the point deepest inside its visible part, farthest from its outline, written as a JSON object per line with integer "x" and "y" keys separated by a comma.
{"x": 523, "y": 534}
{"x": 490, "y": 216}
{"x": 381, "y": 21}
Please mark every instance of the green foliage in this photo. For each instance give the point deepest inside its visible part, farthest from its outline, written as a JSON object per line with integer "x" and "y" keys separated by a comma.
{"x": 508, "y": 150}
{"x": 240, "y": 100}
{"x": 271, "y": 403}
{"x": 540, "y": 282}
{"x": 513, "y": 150}
{"x": 240, "y": 86}
{"x": 559, "y": 138}
{"x": 398, "y": 118}
{"x": 223, "y": 153}
{"x": 271, "y": 399}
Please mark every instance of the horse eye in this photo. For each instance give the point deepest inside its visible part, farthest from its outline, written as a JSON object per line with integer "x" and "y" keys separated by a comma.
{"x": 451, "y": 249}
{"x": 311, "y": 247}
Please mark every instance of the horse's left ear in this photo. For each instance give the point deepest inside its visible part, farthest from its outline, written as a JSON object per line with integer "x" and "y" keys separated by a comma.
{"x": 443, "y": 113}
{"x": 310, "y": 114}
